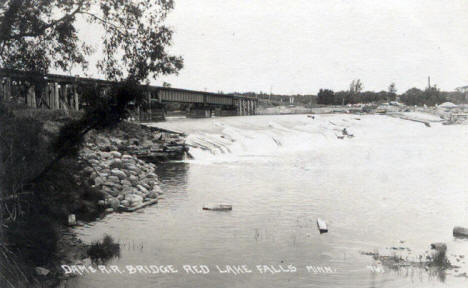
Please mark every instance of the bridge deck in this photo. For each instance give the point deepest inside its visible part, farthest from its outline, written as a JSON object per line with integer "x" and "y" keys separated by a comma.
{"x": 54, "y": 91}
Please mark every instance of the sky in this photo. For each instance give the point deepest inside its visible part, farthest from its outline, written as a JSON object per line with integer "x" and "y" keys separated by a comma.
{"x": 301, "y": 46}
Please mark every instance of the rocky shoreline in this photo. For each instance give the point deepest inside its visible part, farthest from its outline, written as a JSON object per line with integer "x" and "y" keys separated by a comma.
{"x": 121, "y": 163}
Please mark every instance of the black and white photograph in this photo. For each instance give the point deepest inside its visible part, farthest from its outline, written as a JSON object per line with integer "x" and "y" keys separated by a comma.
{"x": 234, "y": 143}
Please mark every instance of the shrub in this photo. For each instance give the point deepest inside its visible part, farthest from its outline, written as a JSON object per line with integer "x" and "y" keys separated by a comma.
{"x": 103, "y": 251}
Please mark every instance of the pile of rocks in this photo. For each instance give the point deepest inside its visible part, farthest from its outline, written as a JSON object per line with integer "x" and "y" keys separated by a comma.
{"x": 121, "y": 163}
{"x": 146, "y": 143}
{"x": 125, "y": 180}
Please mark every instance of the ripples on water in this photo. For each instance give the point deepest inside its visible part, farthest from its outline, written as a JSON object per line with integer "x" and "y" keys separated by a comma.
{"x": 394, "y": 181}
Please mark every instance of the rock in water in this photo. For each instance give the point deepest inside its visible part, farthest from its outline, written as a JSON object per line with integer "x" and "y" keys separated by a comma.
{"x": 439, "y": 246}
{"x": 114, "y": 203}
{"x": 71, "y": 219}
{"x": 134, "y": 199}
{"x": 218, "y": 207}
{"x": 322, "y": 226}
{"x": 460, "y": 231}
{"x": 42, "y": 271}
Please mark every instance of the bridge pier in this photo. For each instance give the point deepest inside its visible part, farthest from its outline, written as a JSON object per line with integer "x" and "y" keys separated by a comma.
{"x": 52, "y": 91}
{"x": 199, "y": 111}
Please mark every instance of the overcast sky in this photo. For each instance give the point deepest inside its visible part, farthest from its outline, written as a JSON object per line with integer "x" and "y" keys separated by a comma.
{"x": 300, "y": 46}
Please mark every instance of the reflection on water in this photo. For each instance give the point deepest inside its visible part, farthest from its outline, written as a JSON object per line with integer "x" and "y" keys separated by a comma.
{"x": 375, "y": 191}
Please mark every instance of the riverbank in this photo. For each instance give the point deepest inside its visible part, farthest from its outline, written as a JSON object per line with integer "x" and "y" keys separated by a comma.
{"x": 120, "y": 163}
{"x": 456, "y": 114}
{"x": 113, "y": 172}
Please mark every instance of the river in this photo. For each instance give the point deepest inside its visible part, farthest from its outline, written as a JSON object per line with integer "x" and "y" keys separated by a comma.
{"x": 396, "y": 183}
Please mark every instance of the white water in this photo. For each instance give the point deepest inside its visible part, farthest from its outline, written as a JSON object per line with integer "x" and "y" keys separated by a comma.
{"x": 395, "y": 180}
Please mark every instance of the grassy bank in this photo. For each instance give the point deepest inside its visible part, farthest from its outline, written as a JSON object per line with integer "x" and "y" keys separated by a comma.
{"x": 45, "y": 178}
{"x": 34, "y": 209}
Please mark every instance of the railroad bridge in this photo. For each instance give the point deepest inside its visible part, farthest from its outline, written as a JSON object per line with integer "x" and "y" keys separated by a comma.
{"x": 53, "y": 91}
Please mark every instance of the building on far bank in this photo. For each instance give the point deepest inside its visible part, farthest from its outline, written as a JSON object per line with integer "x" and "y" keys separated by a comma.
{"x": 463, "y": 89}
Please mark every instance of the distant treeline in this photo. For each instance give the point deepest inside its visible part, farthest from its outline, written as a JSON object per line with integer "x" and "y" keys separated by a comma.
{"x": 414, "y": 96}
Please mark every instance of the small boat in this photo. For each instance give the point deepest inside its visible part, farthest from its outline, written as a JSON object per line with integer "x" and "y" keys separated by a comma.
{"x": 322, "y": 226}
{"x": 218, "y": 207}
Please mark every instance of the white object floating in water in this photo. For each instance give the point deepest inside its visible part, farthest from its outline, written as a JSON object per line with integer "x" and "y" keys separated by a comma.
{"x": 218, "y": 207}
{"x": 322, "y": 226}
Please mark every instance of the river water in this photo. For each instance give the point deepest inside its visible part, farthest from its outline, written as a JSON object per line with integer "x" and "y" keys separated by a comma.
{"x": 396, "y": 183}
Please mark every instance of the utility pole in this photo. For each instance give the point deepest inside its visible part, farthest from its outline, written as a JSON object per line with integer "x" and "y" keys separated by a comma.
{"x": 429, "y": 82}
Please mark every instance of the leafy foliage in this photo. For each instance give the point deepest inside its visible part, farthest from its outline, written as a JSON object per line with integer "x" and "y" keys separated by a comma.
{"x": 38, "y": 34}
{"x": 103, "y": 251}
{"x": 328, "y": 97}
{"x": 107, "y": 110}
{"x": 430, "y": 96}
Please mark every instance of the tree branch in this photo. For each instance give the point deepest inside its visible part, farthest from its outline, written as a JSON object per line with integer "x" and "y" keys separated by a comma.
{"x": 104, "y": 21}
{"x": 44, "y": 27}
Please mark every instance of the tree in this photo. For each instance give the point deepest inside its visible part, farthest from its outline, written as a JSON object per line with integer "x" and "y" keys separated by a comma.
{"x": 40, "y": 34}
{"x": 356, "y": 87}
{"x": 325, "y": 96}
{"x": 392, "y": 88}
{"x": 412, "y": 96}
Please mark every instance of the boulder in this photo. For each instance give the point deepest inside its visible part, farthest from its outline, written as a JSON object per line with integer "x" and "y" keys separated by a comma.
{"x": 98, "y": 181}
{"x": 134, "y": 199}
{"x": 116, "y": 154}
{"x": 113, "y": 179}
{"x": 126, "y": 182}
{"x": 71, "y": 220}
{"x": 112, "y": 192}
{"x": 131, "y": 167}
{"x": 91, "y": 156}
{"x": 439, "y": 246}
{"x": 106, "y": 155}
{"x": 127, "y": 190}
{"x": 133, "y": 178}
{"x": 88, "y": 170}
{"x": 157, "y": 189}
{"x": 109, "y": 210}
{"x": 114, "y": 203}
{"x": 116, "y": 163}
{"x": 130, "y": 172}
{"x": 142, "y": 189}
{"x": 152, "y": 195}
{"x": 128, "y": 162}
{"x": 41, "y": 271}
{"x": 125, "y": 203}
{"x": 151, "y": 175}
{"x": 119, "y": 173}
{"x": 93, "y": 175}
{"x": 134, "y": 141}
{"x": 127, "y": 157}
{"x": 102, "y": 141}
